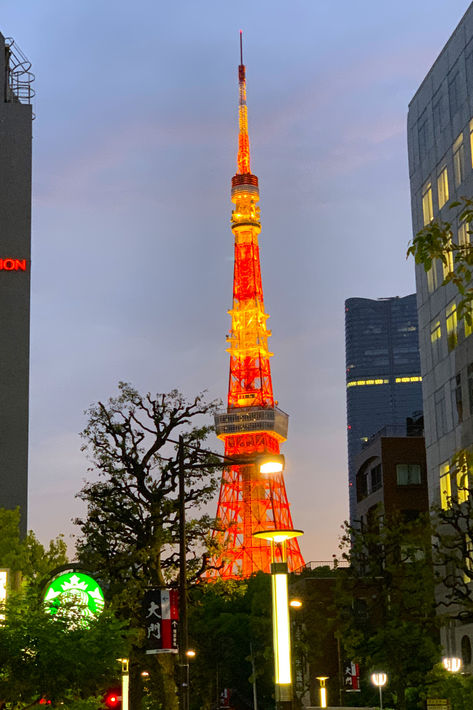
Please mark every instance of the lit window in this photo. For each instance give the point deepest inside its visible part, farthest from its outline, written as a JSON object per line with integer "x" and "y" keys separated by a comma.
{"x": 362, "y": 383}
{"x": 462, "y": 480}
{"x": 445, "y": 486}
{"x": 436, "y": 340}
{"x": 468, "y": 326}
{"x": 459, "y": 160}
{"x": 432, "y": 281}
{"x": 427, "y": 204}
{"x": 451, "y": 322}
{"x": 463, "y": 236}
{"x": 447, "y": 266}
{"x": 408, "y": 474}
{"x": 471, "y": 139}
{"x": 462, "y": 485}
{"x": 414, "y": 378}
{"x": 442, "y": 186}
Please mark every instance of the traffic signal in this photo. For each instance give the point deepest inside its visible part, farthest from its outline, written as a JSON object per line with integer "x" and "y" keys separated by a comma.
{"x": 113, "y": 699}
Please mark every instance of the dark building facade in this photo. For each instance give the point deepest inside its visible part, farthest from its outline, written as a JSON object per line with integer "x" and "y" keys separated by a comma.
{"x": 382, "y": 371}
{"x": 391, "y": 477}
{"x": 15, "y": 262}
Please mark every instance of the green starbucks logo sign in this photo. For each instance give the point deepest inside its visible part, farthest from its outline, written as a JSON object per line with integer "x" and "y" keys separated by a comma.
{"x": 74, "y": 594}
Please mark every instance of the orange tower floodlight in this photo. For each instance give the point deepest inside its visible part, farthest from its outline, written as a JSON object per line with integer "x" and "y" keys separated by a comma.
{"x": 252, "y": 425}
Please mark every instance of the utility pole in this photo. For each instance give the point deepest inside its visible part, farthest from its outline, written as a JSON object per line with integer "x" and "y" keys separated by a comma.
{"x": 183, "y": 635}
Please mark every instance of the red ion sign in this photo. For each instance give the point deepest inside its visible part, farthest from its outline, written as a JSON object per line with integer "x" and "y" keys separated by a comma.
{"x": 12, "y": 264}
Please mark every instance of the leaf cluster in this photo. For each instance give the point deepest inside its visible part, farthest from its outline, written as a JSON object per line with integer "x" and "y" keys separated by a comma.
{"x": 434, "y": 243}
{"x": 386, "y": 599}
{"x": 46, "y": 656}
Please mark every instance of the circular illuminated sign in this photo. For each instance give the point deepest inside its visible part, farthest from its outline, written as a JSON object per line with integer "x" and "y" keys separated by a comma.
{"x": 77, "y": 593}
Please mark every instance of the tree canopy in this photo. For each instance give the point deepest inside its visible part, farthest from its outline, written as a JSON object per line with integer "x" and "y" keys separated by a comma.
{"x": 387, "y": 603}
{"x": 131, "y": 530}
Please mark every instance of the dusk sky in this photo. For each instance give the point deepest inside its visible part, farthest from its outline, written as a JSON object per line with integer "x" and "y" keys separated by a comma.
{"x": 134, "y": 146}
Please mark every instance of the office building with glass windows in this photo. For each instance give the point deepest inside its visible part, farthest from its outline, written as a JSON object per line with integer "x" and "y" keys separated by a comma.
{"x": 382, "y": 374}
{"x": 440, "y": 142}
{"x": 15, "y": 253}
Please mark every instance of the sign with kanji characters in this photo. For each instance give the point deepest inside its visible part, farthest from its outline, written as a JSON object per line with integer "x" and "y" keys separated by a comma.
{"x": 160, "y": 615}
{"x": 352, "y": 677}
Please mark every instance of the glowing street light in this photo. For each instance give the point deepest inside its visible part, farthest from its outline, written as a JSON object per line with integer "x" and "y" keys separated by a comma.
{"x": 281, "y": 623}
{"x": 125, "y": 682}
{"x": 452, "y": 664}
{"x": 380, "y": 680}
{"x": 295, "y": 603}
{"x": 322, "y": 690}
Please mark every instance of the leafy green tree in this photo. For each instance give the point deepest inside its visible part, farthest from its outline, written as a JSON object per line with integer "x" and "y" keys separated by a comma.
{"x": 131, "y": 531}
{"x": 231, "y": 630}
{"x": 45, "y": 656}
{"x": 456, "y": 687}
{"x": 25, "y": 556}
{"x": 387, "y": 604}
{"x": 453, "y": 543}
{"x": 435, "y": 243}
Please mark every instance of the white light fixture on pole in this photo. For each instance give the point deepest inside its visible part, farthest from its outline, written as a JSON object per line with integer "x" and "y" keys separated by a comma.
{"x": 281, "y": 624}
{"x": 125, "y": 682}
{"x": 380, "y": 680}
{"x": 322, "y": 690}
{"x": 452, "y": 664}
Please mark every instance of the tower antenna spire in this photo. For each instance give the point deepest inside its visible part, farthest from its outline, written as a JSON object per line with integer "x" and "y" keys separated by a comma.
{"x": 243, "y": 159}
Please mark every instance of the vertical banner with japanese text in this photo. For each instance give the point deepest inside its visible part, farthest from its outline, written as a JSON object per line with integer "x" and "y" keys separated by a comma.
{"x": 161, "y": 614}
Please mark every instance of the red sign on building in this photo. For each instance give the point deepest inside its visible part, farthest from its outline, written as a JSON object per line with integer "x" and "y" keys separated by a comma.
{"x": 12, "y": 264}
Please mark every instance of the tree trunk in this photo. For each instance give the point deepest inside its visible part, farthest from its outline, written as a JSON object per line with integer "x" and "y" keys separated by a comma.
{"x": 135, "y": 695}
{"x": 166, "y": 662}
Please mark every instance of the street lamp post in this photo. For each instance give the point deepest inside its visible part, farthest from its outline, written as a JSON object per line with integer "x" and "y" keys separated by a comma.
{"x": 380, "y": 680}
{"x": 268, "y": 463}
{"x": 281, "y": 623}
{"x": 322, "y": 690}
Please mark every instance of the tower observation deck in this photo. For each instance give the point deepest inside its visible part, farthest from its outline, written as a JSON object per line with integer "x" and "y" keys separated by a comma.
{"x": 252, "y": 424}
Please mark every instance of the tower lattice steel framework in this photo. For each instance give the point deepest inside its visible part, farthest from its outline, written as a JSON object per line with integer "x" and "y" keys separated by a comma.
{"x": 249, "y": 501}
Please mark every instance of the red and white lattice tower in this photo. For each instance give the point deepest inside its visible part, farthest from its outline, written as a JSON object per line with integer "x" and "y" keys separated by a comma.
{"x": 249, "y": 501}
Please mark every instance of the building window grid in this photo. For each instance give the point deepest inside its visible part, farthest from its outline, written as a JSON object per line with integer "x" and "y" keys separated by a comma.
{"x": 445, "y": 486}
{"x": 440, "y": 412}
{"x": 462, "y": 481}
{"x": 447, "y": 265}
{"x": 457, "y": 398}
{"x": 463, "y": 236}
{"x": 451, "y": 325}
{"x": 469, "y": 373}
{"x": 435, "y": 340}
{"x": 458, "y": 160}
{"x": 427, "y": 204}
{"x": 432, "y": 280}
{"x": 442, "y": 187}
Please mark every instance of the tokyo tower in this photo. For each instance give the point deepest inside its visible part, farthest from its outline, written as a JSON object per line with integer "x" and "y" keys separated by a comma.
{"x": 252, "y": 425}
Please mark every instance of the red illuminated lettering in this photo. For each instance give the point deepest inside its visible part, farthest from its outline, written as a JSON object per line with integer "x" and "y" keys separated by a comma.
{"x": 12, "y": 264}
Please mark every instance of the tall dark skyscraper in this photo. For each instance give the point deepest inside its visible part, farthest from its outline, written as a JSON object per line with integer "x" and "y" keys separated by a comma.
{"x": 384, "y": 385}
{"x": 15, "y": 252}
